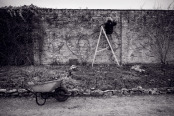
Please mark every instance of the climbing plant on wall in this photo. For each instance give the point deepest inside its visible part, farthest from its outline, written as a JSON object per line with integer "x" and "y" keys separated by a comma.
{"x": 154, "y": 31}
{"x": 16, "y": 32}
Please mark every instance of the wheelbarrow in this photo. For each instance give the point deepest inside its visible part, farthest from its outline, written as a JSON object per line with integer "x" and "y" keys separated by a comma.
{"x": 48, "y": 89}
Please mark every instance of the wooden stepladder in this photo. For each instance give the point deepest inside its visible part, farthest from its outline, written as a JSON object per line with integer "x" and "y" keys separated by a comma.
{"x": 96, "y": 50}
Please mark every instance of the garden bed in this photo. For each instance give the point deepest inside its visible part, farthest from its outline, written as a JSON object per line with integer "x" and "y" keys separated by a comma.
{"x": 100, "y": 77}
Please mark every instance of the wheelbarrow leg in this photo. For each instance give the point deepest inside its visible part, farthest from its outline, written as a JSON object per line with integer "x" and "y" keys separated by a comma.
{"x": 40, "y": 100}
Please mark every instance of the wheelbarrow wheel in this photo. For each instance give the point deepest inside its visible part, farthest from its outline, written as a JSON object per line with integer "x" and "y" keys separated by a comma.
{"x": 61, "y": 94}
{"x": 40, "y": 99}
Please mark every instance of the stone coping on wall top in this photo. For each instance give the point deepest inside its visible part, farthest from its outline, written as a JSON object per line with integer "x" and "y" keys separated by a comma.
{"x": 53, "y": 9}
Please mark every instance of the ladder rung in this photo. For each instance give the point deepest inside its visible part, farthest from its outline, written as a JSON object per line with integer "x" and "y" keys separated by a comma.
{"x": 103, "y": 49}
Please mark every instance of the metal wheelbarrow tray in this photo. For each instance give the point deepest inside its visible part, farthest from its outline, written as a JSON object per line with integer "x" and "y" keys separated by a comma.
{"x": 48, "y": 89}
{"x": 48, "y": 86}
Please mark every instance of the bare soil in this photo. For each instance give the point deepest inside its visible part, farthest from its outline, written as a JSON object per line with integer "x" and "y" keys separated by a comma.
{"x": 156, "y": 105}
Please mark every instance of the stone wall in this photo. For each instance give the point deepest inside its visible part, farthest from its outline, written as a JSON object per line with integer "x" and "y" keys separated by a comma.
{"x": 73, "y": 34}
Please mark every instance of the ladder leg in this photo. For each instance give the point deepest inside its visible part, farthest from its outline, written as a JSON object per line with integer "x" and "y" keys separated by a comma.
{"x": 110, "y": 46}
{"x": 97, "y": 47}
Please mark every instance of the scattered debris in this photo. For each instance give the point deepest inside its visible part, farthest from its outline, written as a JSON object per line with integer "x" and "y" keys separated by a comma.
{"x": 137, "y": 68}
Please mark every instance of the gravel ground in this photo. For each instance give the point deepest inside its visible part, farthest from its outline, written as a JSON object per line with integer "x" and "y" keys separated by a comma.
{"x": 156, "y": 105}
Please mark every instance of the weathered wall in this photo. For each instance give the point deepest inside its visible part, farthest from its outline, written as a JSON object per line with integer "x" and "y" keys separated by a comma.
{"x": 73, "y": 34}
